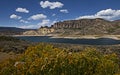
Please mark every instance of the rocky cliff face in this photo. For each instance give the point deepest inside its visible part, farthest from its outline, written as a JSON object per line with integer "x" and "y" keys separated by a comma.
{"x": 31, "y": 32}
{"x": 96, "y": 26}
{"x": 87, "y": 27}
{"x": 45, "y": 30}
{"x": 40, "y": 31}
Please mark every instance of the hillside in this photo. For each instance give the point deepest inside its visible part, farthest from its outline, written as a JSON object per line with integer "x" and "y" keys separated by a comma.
{"x": 41, "y": 31}
{"x": 11, "y": 47}
{"x": 12, "y": 44}
{"x": 80, "y": 27}
{"x": 12, "y": 30}
{"x": 87, "y": 27}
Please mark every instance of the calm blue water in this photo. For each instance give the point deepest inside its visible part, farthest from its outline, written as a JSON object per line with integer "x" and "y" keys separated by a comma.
{"x": 101, "y": 41}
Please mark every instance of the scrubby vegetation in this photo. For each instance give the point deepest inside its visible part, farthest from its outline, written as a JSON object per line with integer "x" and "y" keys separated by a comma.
{"x": 47, "y": 60}
{"x": 12, "y": 44}
{"x": 8, "y": 38}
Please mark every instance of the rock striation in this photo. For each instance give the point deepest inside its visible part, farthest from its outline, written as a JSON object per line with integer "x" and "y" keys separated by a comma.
{"x": 40, "y": 31}
{"x": 96, "y": 26}
{"x": 80, "y": 27}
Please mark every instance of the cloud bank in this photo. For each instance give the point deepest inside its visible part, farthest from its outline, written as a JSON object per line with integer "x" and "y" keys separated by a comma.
{"x": 36, "y": 26}
{"x": 44, "y": 23}
{"x": 29, "y": 26}
{"x": 108, "y": 14}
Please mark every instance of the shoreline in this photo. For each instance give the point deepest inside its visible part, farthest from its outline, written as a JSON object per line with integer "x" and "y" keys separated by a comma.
{"x": 28, "y": 35}
{"x": 116, "y": 37}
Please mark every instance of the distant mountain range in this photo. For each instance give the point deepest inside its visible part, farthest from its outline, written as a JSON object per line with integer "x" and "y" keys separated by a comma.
{"x": 12, "y": 30}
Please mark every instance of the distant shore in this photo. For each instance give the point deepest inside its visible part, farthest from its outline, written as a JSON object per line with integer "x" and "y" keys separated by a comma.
{"x": 28, "y": 35}
{"x": 116, "y": 37}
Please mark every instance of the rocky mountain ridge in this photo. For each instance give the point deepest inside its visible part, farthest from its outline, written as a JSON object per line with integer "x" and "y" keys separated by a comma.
{"x": 96, "y": 26}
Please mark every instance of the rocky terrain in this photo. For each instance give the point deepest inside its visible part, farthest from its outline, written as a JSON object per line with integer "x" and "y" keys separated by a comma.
{"x": 41, "y": 31}
{"x": 80, "y": 27}
{"x": 87, "y": 27}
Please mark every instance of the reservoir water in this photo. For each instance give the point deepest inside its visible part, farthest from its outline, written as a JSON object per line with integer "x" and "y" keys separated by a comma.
{"x": 100, "y": 41}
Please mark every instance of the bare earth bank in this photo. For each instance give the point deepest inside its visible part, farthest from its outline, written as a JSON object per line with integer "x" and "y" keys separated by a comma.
{"x": 116, "y": 37}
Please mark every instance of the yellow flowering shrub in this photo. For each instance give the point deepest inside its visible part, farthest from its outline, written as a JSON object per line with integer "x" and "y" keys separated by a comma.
{"x": 44, "y": 59}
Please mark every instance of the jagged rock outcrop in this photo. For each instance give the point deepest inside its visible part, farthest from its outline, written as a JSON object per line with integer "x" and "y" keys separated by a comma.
{"x": 45, "y": 30}
{"x": 96, "y": 26}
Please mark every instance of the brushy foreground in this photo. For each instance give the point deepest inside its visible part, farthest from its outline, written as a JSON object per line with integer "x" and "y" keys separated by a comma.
{"x": 46, "y": 60}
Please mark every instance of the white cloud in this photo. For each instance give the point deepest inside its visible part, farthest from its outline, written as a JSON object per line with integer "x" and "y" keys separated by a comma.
{"x": 29, "y": 26}
{"x": 53, "y": 14}
{"x": 37, "y": 17}
{"x": 14, "y": 16}
{"x": 23, "y": 21}
{"x": 64, "y": 11}
{"x": 44, "y": 23}
{"x": 51, "y": 5}
{"x": 36, "y": 26}
{"x": 23, "y": 10}
{"x": 53, "y": 22}
{"x": 108, "y": 14}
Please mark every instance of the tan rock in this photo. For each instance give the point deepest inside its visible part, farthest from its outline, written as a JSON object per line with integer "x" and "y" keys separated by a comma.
{"x": 32, "y": 32}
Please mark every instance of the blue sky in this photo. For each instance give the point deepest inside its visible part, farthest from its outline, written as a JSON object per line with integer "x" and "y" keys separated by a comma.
{"x": 36, "y": 13}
